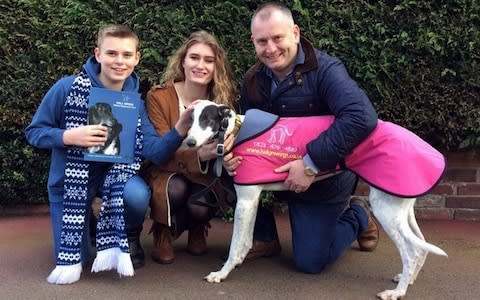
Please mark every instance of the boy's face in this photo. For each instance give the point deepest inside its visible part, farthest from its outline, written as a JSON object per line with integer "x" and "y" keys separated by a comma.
{"x": 118, "y": 58}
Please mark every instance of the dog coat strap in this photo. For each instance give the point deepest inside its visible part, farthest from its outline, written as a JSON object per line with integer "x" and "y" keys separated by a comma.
{"x": 220, "y": 148}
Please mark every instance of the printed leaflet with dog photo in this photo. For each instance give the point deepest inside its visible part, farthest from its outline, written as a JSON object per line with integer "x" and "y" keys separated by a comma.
{"x": 118, "y": 111}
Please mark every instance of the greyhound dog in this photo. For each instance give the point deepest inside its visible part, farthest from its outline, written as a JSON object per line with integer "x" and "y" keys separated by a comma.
{"x": 394, "y": 210}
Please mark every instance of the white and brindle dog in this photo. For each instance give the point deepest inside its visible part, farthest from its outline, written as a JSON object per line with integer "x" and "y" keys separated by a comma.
{"x": 395, "y": 214}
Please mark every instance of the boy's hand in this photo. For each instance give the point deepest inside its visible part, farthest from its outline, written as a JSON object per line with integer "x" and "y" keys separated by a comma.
{"x": 85, "y": 136}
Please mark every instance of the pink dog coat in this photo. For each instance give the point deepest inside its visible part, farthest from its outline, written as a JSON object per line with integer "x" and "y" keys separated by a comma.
{"x": 391, "y": 158}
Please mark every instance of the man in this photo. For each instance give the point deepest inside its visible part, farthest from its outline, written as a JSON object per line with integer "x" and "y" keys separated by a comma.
{"x": 292, "y": 79}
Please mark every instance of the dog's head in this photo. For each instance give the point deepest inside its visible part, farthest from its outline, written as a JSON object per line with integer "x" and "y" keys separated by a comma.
{"x": 208, "y": 118}
{"x": 101, "y": 114}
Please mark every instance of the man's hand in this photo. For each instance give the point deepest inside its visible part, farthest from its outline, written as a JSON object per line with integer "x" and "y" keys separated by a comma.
{"x": 230, "y": 163}
{"x": 85, "y": 136}
{"x": 297, "y": 181}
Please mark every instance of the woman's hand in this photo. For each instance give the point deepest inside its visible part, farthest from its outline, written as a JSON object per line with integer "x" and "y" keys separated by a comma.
{"x": 185, "y": 121}
{"x": 207, "y": 151}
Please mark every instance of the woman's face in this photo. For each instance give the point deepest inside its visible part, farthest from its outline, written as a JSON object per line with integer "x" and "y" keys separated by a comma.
{"x": 199, "y": 64}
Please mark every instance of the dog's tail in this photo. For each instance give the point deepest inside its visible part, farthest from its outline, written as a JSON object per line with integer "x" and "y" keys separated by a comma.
{"x": 431, "y": 248}
{"x": 419, "y": 236}
{"x": 412, "y": 232}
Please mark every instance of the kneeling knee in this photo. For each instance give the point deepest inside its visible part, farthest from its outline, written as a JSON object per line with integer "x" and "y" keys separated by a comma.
{"x": 136, "y": 191}
{"x": 309, "y": 266}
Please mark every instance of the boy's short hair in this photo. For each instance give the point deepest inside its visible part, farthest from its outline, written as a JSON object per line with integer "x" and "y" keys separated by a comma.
{"x": 115, "y": 30}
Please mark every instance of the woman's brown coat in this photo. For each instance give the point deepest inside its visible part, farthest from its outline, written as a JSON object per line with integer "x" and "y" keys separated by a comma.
{"x": 163, "y": 110}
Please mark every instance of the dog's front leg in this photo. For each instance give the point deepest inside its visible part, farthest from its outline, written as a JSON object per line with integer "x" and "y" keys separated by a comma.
{"x": 248, "y": 198}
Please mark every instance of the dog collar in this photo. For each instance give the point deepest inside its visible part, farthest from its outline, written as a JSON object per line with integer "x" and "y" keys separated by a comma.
{"x": 238, "y": 124}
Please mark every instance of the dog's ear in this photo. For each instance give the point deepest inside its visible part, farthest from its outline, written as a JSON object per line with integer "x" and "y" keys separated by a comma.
{"x": 224, "y": 111}
{"x": 116, "y": 128}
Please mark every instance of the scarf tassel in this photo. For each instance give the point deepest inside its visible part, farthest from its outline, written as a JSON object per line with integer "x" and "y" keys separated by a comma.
{"x": 113, "y": 258}
{"x": 65, "y": 274}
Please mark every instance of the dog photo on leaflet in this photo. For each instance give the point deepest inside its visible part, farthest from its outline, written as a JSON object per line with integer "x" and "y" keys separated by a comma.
{"x": 101, "y": 114}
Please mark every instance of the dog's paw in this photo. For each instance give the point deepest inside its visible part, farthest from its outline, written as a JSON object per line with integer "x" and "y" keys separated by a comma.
{"x": 391, "y": 295}
{"x": 214, "y": 277}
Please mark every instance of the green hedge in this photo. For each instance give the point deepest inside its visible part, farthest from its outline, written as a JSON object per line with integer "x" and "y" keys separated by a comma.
{"x": 417, "y": 60}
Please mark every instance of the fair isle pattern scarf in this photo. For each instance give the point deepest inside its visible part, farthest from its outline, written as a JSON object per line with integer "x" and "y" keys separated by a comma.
{"x": 111, "y": 238}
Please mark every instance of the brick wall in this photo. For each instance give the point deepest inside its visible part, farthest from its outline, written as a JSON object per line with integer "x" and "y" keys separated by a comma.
{"x": 457, "y": 197}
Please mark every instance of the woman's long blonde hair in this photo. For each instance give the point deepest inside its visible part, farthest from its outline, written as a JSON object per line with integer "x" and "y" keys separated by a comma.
{"x": 222, "y": 88}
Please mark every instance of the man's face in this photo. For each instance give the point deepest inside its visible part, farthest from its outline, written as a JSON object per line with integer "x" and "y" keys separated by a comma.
{"x": 118, "y": 58}
{"x": 276, "y": 43}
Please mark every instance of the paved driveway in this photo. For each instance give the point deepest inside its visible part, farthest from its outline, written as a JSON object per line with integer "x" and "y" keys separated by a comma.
{"x": 25, "y": 261}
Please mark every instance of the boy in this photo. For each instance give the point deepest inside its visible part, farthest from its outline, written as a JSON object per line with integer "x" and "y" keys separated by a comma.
{"x": 60, "y": 125}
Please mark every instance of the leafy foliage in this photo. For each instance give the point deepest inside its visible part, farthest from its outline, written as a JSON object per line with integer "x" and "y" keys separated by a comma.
{"x": 417, "y": 60}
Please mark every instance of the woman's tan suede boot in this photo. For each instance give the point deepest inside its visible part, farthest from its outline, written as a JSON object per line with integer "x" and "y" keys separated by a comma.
{"x": 197, "y": 239}
{"x": 162, "y": 251}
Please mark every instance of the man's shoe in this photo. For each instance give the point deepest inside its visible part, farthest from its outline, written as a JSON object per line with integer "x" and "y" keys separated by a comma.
{"x": 264, "y": 249}
{"x": 368, "y": 239}
{"x": 197, "y": 239}
{"x": 162, "y": 251}
{"x": 136, "y": 251}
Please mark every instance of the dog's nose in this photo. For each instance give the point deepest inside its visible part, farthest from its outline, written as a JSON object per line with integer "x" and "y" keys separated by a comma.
{"x": 191, "y": 142}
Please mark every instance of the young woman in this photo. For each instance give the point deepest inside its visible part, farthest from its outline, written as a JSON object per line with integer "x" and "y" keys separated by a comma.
{"x": 198, "y": 70}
